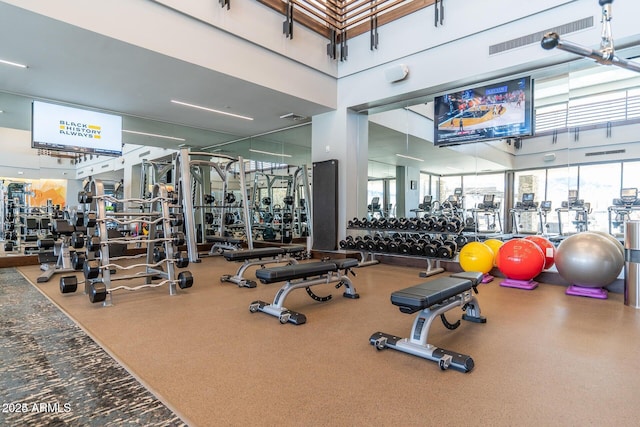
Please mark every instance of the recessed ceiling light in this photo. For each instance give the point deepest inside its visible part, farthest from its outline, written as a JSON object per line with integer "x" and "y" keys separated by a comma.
{"x": 153, "y": 135}
{"x": 15, "y": 64}
{"x": 199, "y": 107}
{"x": 409, "y": 157}
{"x": 269, "y": 153}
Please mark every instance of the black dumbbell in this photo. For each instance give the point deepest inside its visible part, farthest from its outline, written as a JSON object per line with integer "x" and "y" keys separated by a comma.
{"x": 185, "y": 279}
{"x": 77, "y": 260}
{"x": 68, "y": 284}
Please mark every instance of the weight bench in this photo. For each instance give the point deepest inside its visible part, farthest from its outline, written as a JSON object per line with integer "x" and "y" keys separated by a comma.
{"x": 222, "y": 244}
{"x": 432, "y": 299}
{"x": 260, "y": 256}
{"x": 304, "y": 275}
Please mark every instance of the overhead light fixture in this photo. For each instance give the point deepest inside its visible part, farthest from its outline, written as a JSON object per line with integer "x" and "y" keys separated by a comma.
{"x": 606, "y": 55}
{"x": 269, "y": 153}
{"x": 410, "y": 158}
{"x": 15, "y": 64}
{"x": 153, "y": 135}
{"x": 199, "y": 107}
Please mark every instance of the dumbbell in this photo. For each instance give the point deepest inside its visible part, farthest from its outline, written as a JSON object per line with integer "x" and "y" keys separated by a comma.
{"x": 97, "y": 292}
{"x": 447, "y": 249}
{"x": 382, "y": 223}
{"x": 361, "y": 244}
{"x": 68, "y": 284}
{"x": 382, "y": 245}
{"x": 77, "y": 260}
{"x": 373, "y": 223}
{"x": 177, "y": 219}
{"x": 77, "y": 240}
{"x": 440, "y": 224}
{"x": 372, "y": 244}
{"x": 404, "y": 247}
{"x": 46, "y": 243}
{"x": 418, "y": 246}
{"x": 343, "y": 244}
{"x": 353, "y": 222}
{"x": 454, "y": 225}
{"x": 461, "y": 240}
{"x": 209, "y": 198}
{"x": 414, "y": 224}
{"x": 403, "y": 224}
{"x": 93, "y": 243}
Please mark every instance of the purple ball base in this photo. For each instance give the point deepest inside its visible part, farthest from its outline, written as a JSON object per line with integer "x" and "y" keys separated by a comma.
{"x": 487, "y": 278}
{"x": 581, "y": 291}
{"x": 520, "y": 284}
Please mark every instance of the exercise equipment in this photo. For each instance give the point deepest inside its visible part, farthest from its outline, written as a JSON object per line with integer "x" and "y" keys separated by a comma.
{"x": 259, "y": 256}
{"x": 193, "y": 183}
{"x": 490, "y": 209}
{"x": 304, "y": 275}
{"x": 520, "y": 260}
{"x": 60, "y": 255}
{"x": 432, "y": 299}
{"x": 494, "y": 244}
{"x": 622, "y": 209}
{"x": 579, "y": 208}
{"x": 547, "y": 248}
{"x": 524, "y": 215}
{"x": 477, "y": 256}
{"x": 162, "y": 241}
{"x": 589, "y": 262}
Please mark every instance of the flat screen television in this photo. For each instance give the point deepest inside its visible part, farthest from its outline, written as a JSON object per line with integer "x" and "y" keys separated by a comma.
{"x": 496, "y": 111}
{"x": 59, "y": 128}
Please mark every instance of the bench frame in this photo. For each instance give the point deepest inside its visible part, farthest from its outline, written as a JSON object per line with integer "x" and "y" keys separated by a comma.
{"x": 277, "y": 256}
{"x": 417, "y": 344}
{"x": 333, "y": 274}
{"x": 221, "y": 244}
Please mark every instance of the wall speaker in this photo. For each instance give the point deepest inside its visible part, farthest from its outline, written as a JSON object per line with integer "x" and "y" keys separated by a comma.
{"x": 549, "y": 157}
{"x": 396, "y": 73}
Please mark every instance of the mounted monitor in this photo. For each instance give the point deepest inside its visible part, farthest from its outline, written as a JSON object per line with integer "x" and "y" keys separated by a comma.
{"x": 500, "y": 110}
{"x": 59, "y": 128}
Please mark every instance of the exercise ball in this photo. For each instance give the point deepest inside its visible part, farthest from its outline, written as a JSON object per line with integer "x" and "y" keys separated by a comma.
{"x": 494, "y": 244}
{"x": 547, "y": 248}
{"x": 520, "y": 259}
{"x": 589, "y": 259}
{"x": 476, "y": 256}
{"x": 615, "y": 241}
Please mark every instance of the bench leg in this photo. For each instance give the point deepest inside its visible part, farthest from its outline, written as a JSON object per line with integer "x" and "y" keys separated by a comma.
{"x": 417, "y": 344}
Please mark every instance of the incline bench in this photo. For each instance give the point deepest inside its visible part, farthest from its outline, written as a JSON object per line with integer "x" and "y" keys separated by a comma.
{"x": 260, "y": 256}
{"x": 304, "y": 275}
{"x": 431, "y": 299}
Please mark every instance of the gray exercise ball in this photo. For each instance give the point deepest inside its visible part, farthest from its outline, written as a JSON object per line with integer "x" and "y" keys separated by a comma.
{"x": 589, "y": 259}
{"x": 619, "y": 245}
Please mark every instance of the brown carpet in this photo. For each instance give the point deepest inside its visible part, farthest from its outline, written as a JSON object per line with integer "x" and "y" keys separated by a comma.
{"x": 542, "y": 358}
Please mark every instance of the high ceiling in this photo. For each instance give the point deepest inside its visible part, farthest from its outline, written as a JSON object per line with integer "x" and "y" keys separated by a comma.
{"x": 73, "y": 66}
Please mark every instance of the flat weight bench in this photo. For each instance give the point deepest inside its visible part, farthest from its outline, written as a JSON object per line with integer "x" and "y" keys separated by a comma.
{"x": 304, "y": 275}
{"x": 222, "y": 244}
{"x": 431, "y": 299}
{"x": 260, "y": 256}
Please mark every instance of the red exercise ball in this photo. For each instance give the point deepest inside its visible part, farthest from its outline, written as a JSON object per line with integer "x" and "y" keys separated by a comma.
{"x": 548, "y": 250}
{"x": 520, "y": 259}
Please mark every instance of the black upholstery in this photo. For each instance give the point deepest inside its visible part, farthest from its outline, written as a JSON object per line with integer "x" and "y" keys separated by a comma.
{"x": 424, "y": 295}
{"x": 218, "y": 239}
{"x": 245, "y": 254}
{"x": 296, "y": 271}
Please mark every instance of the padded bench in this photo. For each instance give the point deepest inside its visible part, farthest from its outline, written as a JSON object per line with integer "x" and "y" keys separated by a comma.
{"x": 222, "y": 244}
{"x": 304, "y": 275}
{"x": 259, "y": 256}
{"x": 432, "y": 299}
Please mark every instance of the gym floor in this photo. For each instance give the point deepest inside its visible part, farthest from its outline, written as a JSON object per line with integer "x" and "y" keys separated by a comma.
{"x": 542, "y": 358}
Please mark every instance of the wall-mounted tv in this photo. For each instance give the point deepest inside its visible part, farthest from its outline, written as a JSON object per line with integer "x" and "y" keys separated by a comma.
{"x": 59, "y": 128}
{"x": 500, "y": 110}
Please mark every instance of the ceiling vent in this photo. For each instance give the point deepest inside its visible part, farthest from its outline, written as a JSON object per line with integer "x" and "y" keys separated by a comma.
{"x": 570, "y": 27}
{"x": 604, "y": 153}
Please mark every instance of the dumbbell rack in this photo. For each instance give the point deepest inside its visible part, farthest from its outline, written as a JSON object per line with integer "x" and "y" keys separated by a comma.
{"x": 402, "y": 229}
{"x": 162, "y": 243}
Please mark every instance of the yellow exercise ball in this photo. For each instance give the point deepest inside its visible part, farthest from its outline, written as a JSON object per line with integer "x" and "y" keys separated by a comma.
{"x": 494, "y": 244}
{"x": 476, "y": 256}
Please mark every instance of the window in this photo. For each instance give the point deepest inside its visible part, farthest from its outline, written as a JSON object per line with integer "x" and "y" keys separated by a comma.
{"x": 599, "y": 185}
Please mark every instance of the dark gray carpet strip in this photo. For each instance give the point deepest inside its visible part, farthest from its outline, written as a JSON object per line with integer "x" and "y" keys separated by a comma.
{"x": 53, "y": 374}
